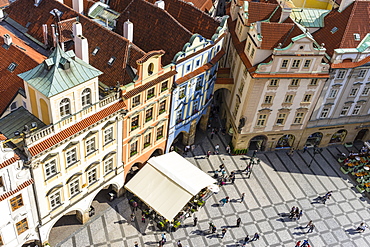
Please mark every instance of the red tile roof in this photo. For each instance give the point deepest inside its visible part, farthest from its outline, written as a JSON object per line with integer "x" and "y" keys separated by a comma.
{"x": 19, "y": 188}
{"x": 2, "y": 137}
{"x": 4, "y": 3}
{"x": 74, "y": 129}
{"x": 349, "y": 65}
{"x": 259, "y": 11}
{"x": 9, "y": 161}
{"x": 21, "y": 54}
{"x": 149, "y": 55}
{"x": 275, "y": 33}
{"x": 65, "y": 27}
{"x": 203, "y": 5}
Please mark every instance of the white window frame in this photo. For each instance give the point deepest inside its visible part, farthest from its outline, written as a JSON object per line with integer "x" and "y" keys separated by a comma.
{"x": 274, "y": 82}
{"x": 313, "y": 82}
{"x": 307, "y": 98}
{"x": 353, "y": 92}
{"x": 92, "y": 175}
{"x": 296, "y": 63}
{"x": 90, "y": 145}
{"x": 333, "y": 93}
{"x": 289, "y": 98}
{"x": 268, "y": 99}
{"x": 344, "y": 111}
{"x": 307, "y": 63}
{"x": 261, "y": 120}
{"x": 294, "y": 83}
{"x": 55, "y": 199}
{"x": 65, "y": 107}
{"x": 341, "y": 74}
{"x": 108, "y": 135}
{"x": 362, "y": 73}
{"x": 281, "y": 116}
{"x": 86, "y": 97}
{"x": 324, "y": 113}
{"x": 182, "y": 92}
{"x": 366, "y": 91}
{"x": 108, "y": 165}
{"x": 74, "y": 187}
{"x": 299, "y": 117}
{"x": 136, "y": 100}
{"x": 356, "y": 110}
{"x": 284, "y": 63}
{"x": 51, "y": 168}
{"x": 71, "y": 156}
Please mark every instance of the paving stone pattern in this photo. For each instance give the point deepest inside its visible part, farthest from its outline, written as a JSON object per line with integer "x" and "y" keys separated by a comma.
{"x": 277, "y": 184}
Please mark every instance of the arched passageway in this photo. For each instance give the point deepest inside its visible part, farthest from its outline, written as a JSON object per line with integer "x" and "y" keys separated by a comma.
{"x": 361, "y": 134}
{"x": 314, "y": 139}
{"x": 339, "y": 136}
{"x": 285, "y": 141}
{"x": 258, "y": 143}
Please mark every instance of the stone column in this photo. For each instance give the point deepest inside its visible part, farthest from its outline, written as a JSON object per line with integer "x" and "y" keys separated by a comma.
{"x": 189, "y": 138}
{"x": 82, "y": 217}
{"x": 204, "y": 120}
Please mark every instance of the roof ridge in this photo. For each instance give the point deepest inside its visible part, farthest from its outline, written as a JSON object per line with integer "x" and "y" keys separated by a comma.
{"x": 346, "y": 30}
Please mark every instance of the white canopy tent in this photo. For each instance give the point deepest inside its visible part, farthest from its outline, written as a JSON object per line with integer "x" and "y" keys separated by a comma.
{"x": 167, "y": 183}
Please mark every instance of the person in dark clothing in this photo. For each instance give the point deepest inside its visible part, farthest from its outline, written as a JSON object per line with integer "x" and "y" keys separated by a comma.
{"x": 238, "y": 221}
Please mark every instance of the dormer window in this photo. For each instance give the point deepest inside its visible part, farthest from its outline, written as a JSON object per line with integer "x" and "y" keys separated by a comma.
{"x": 357, "y": 36}
{"x": 150, "y": 69}
{"x": 12, "y": 67}
{"x": 86, "y": 97}
{"x": 333, "y": 30}
{"x": 111, "y": 61}
{"x": 65, "y": 107}
{"x": 95, "y": 51}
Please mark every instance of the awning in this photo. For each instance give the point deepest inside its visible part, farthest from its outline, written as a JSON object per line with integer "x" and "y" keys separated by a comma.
{"x": 167, "y": 183}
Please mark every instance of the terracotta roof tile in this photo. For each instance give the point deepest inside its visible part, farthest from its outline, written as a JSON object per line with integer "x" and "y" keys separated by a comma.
{"x": 74, "y": 129}
{"x": 19, "y": 188}
{"x": 275, "y": 33}
{"x": 259, "y": 11}
{"x": 65, "y": 27}
{"x": 149, "y": 55}
{"x": 348, "y": 65}
{"x": 2, "y": 137}
{"x": 4, "y": 3}
{"x": 9, "y": 161}
{"x": 203, "y": 5}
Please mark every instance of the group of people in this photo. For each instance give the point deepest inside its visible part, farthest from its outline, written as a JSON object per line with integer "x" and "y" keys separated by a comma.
{"x": 303, "y": 243}
{"x": 295, "y": 213}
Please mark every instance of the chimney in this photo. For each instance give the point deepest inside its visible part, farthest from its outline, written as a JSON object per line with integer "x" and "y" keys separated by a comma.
{"x": 45, "y": 33}
{"x": 54, "y": 33}
{"x": 159, "y": 4}
{"x": 61, "y": 1}
{"x": 82, "y": 48}
{"x": 37, "y": 2}
{"x": 78, "y": 6}
{"x": 285, "y": 12}
{"x": 344, "y": 4}
{"x": 7, "y": 39}
{"x": 77, "y": 29}
{"x": 128, "y": 30}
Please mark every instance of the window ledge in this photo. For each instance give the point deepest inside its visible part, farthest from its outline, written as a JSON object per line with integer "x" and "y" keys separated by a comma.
{"x": 72, "y": 164}
{"x": 111, "y": 141}
{"x": 95, "y": 182}
{"x": 91, "y": 153}
{"x": 75, "y": 195}
{"x": 52, "y": 176}
{"x": 106, "y": 174}
{"x": 55, "y": 208}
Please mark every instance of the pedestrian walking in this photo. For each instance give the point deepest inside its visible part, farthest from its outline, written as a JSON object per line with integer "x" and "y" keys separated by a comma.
{"x": 232, "y": 178}
{"x": 212, "y": 133}
{"x": 228, "y": 149}
{"x": 160, "y": 243}
{"x": 136, "y": 244}
{"x": 242, "y": 198}
{"x": 238, "y": 221}
{"x": 164, "y": 238}
{"x": 134, "y": 206}
{"x": 143, "y": 218}
{"x": 305, "y": 243}
{"x": 192, "y": 147}
{"x": 195, "y": 221}
{"x": 246, "y": 239}
{"x": 296, "y": 213}
{"x": 208, "y": 153}
{"x": 132, "y": 217}
{"x": 311, "y": 228}
{"x": 309, "y": 223}
{"x": 215, "y": 174}
{"x": 255, "y": 237}
{"x": 305, "y": 148}
{"x": 298, "y": 244}
{"x": 216, "y": 131}
{"x": 223, "y": 232}
{"x": 362, "y": 227}
{"x": 254, "y": 153}
{"x": 214, "y": 228}
{"x": 179, "y": 244}
{"x": 300, "y": 214}
{"x": 210, "y": 226}
{"x": 186, "y": 150}
{"x": 217, "y": 148}
{"x": 224, "y": 200}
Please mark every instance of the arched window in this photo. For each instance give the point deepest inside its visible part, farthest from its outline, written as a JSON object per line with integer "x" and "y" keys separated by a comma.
{"x": 65, "y": 107}
{"x": 150, "y": 69}
{"x": 86, "y": 97}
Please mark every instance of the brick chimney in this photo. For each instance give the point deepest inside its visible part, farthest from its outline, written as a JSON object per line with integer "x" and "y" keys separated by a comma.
{"x": 344, "y": 4}
{"x": 82, "y": 48}
{"x": 285, "y": 12}
{"x": 7, "y": 39}
{"x": 128, "y": 30}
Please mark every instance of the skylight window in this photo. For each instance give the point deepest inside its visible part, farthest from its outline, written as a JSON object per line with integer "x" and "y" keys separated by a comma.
{"x": 357, "y": 36}
{"x": 111, "y": 60}
{"x": 12, "y": 67}
{"x": 334, "y": 29}
{"x": 95, "y": 51}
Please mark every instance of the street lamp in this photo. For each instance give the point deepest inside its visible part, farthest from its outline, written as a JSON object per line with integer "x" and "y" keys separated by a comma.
{"x": 316, "y": 150}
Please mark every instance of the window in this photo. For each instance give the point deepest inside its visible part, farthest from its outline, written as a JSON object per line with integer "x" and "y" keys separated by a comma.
{"x": 288, "y": 98}
{"x": 71, "y": 156}
{"x": 268, "y": 99}
{"x": 199, "y": 83}
{"x": 298, "y": 117}
{"x": 91, "y": 176}
{"x": 54, "y": 200}
{"x": 162, "y": 107}
{"x": 341, "y": 74}
{"x": 64, "y": 107}
{"x": 149, "y": 114}
{"x": 164, "y": 86}
{"x": 195, "y": 107}
{"x": 12, "y": 67}
{"x": 147, "y": 139}
{"x": 353, "y": 92}
{"x": 281, "y": 118}
{"x": 252, "y": 52}
{"x": 150, "y": 68}
{"x": 307, "y": 63}
{"x": 22, "y": 226}
{"x": 136, "y": 101}
{"x": 249, "y": 47}
{"x": 111, "y": 61}
{"x": 50, "y": 168}
{"x": 188, "y": 68}
{"x": 274, "y": 82}
{"x": 307, "y": 98}
{"x": 86, "y": 97}
{"x": 344, "y": 111}
{"x": 90, "y": 146}
{"x": 362, "y": 73}
{"x": 356, "y": 110}
{"x": 95, "y": 51}
{"x": 74, "y": 187}
{"x": 182, "y": 92}
{"x": 284, "y": 64}
{"x": 365, "y": 92}
{"x": 296, "y": 63}
{"x": 333, "y": 93}
{"x": 261, "y": 120}
{"x": 197, "y": 62}
{"x": 150, "y": 93}
{"x": 13, "y": 106}
{"x": 16, "y": 202}
{"x": 178, "y": 117}
{"x": 324, "y": 113}
{"x": 294, "y": 82}
{"x": 314, "y": 82}
{"x": 108, "y": 165}
{"x": 133, "y": 148}
{"x": 160, "y": 132}
{"x": 135, "y": 122}
{"x": 108, "y": 135}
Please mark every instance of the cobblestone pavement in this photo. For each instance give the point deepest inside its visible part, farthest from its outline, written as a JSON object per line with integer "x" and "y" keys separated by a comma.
{"x": 276, "y": 185}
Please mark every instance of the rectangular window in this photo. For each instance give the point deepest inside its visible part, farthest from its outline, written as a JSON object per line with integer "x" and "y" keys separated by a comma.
{"x": 365, "y": 92}
{"x": 50, "y": 168}
{"x": 261, "y": 120}
{"x": 353, "y": 92}
{"x": 249, "y": 47}
{"x": 341, "y": 74}
{"x": 133, "y": 148}
{"x": 268, "y": 99}
{"x": 296, "y": 63}
{"x": 55, "y": 200}
{"x": 162, "y": 107}
{"x": 71, "y": 156}
{"x": 22, "y": 226}
{"x": 274, "y": 82}
{"x": 150, "y": 93}
{"x": 294, "y": 82}
{"x": 333, "y": 93}
{"x": 135, "y": 122}
{"x": 188, "y": 68}
{"x": 160, "y": 132}
{"x": 136, "y": 101}
{"x": 182, "y": 91}
{"x": 108, "y": 165}
{"x": 356, "y": 110}
{"x": 147, "y": 140}
{"x": 90, "y": 146}
{"x": 108, "y": 135}
{"x": 324, "y": 113}
{"x": 313, "y": 82}
{"x": 195, "y": 107}
{"x": 16, "y": 202}
{"x": 91, "y": 176}
{"x": 149, "y": 114}
{"x": 164, "y": 86}
{"x": 199, "y": 83}
{"x": 74, "y": 187}
{"x": 252, "y": 52}
{"x": 284, "y": 64}
{"x": 344, "y": 111}
{"x": 298, "y": 118}
{"x": 289, "y": 98}
{"x": 281, "y": 118}
{"x": 307, "y": 63}
{"x": 362, "y": 73}
{"x": 179, "y": 117}
{"x": 307, "y": 98}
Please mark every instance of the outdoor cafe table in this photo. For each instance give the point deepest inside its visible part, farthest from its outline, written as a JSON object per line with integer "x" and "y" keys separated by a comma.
{"x": 367, "y": 185}
{"x": 361, "y": 174}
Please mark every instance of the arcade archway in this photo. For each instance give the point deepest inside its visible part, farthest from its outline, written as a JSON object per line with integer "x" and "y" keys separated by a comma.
{"x": 156, "y": 153}
{"x": 258, "y": 143}
{"x": 285, "y": 141}
{"x": 339, "y": 136}
{"x": 361, "y": 134}
{"x": 133, "y": 170}
{"x": 314, "y": 139}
